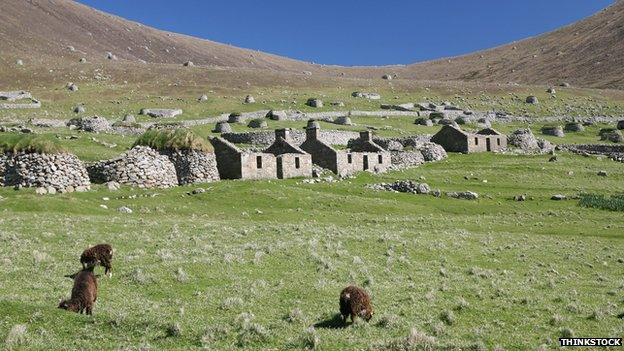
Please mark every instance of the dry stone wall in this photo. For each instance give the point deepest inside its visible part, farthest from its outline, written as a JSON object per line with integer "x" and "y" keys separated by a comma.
{"x": 194, "y": 166}
{"x": 298, "y": 137}
{"x": 142, "y": 167}
{"x": 63, "y": 172}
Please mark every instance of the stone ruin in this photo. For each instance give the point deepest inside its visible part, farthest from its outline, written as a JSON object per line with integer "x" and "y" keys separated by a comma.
{"x": 193, "y": 166}
{"x": 160, "y": 112}
{"x": 141, "y": 167}
{"x": 526, "y": 141}
{"x": 13, "y": 96}
{"x": 93, "y": 124}
{"x": 53, "y": 172}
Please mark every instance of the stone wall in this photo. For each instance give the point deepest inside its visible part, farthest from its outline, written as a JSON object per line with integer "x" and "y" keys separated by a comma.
{"x": 63, "y": 172}
{"x": 3, "y": 164}
{"x": 330, "y": 137}
{"x": 19, "y": 106}
{"x": 294, "y": 165}
{"x": 194, "y": 166}
{"x": 93, "y": 124}
{"x": 406, "y": 159}
{"x": 142, "y": 167}
{"x": 615, "y": 152}
{"x": 234, "y": 163}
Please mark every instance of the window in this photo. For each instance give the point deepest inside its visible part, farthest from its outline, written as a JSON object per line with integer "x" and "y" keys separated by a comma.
{"x": 380, "y": 157}
{"x": 476, "y": 141}
{"x": 349, "y": 158}
{"x": 297, "y": 164}
{"x": 259, "y": 162}
{"x": 498, "y": 141}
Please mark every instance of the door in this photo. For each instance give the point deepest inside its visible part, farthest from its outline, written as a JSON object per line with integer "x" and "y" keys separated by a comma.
{"x": 365, "y": 162}
{"x": 488, "y": 144}
{"x": 280, "y": 169}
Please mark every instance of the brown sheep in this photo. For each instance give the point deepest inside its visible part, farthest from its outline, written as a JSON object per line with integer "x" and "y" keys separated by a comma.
{"x": 354, "y": 302}
{"x": 101, "y": 254}
{"x": 84, "y": 293}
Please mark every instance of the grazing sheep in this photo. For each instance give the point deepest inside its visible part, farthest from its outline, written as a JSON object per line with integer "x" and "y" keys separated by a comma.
{"x": 84, "y": 293}
{"x": 354, "y": 302}
{"x": 99, "y": 254}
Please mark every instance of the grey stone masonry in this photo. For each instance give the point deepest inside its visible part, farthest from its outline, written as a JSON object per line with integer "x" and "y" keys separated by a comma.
{"x": 291, "y": 160}
{"x": 160, "y": 112}
{"x": 63, "y": 172}
{"x": 234, "y": 163}
{"x": 141, "y": 166}
{"x": 193, "y": 166}
{"x": 93, "y": 124}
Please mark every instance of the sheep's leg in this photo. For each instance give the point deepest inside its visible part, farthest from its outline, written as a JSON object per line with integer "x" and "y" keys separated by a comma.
{"x": 352, "y": 317}
{"x": 89, "y": 311}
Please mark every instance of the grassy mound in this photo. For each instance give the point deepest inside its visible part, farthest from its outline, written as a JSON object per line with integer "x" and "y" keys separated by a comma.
{"x": 613, "y": 203}
{"x": 29, "y": 144}
{"x": 173, "y": 139}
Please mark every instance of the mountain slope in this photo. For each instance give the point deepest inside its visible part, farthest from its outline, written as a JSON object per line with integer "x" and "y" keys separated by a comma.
{"x": 587, "y": 53}
{"x": 35, "y": 28}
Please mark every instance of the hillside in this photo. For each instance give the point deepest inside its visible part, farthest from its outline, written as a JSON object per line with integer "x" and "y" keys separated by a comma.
{"x": 587, "y": 53}
{"x": 52, "y": 33}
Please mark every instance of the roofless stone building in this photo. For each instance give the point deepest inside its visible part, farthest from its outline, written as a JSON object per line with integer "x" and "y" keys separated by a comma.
{"x": 291, "y": 160}
{"x": 454, "y": 139}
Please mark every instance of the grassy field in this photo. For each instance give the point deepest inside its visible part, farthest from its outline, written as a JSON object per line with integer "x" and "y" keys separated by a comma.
{"x": 253, "y": 265}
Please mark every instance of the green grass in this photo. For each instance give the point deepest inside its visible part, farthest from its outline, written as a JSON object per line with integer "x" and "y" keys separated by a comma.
{"x": 612, "y": 203}
{"x": 173, "y": 139}
{"x": 29, "y": 144}
{"x": 229, "y": 266}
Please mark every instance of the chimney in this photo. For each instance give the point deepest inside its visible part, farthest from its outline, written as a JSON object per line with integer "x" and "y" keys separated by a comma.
{"x": 366, "y": 135}
{"x": 282, "y": 133}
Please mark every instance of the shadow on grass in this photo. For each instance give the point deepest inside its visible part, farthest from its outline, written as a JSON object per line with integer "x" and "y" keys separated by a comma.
{"x": 332, "y": 323}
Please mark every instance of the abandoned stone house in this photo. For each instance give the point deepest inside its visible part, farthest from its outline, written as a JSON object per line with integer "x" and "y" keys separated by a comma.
{"x": 234, "y": 163}
{"x": 291, "y": 160}
{"x": 454, "y": 139}
{"x": 364, "y": 154}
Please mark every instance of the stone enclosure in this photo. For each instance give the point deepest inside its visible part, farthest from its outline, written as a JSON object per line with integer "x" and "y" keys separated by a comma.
{"x": 54, "y": 172}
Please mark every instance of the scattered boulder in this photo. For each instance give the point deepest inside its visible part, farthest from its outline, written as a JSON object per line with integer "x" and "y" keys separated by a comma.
{"x": 124, "y": 209}
{"x": 532, "y": 100}
{"x": 235, "y": 117}
{"x": 277, "y": 115}
{"x": 79, "y": 109}
{"x": 222, "y": 127}
{"x": 72, "y": 87}
{"x": 565, "y": 84}
{"x": 520, "y": 197}
{"x": 554, "y": 131}
{"x": 424, "y": 121}
{"x": 602, "y": 173}
{"x": 316, "y": 103}
{"x": 387, "y": 77}
{"x": 403, "y": 186}
{"x": 369, "y": 96}
{"x": 113, "y": 186}
{"x": 620, "y": 125}
{"x": 465, "y": 195}
{"x": 203, "y": 98}
{"x": 111, "y": 56}
{"x": 82, "y": 60}
{"x": 160, "y": 112}
{"x": 129, "y": 119}
{"x": 337, "y": 103}
{"x": 558, "y": 197}
{"x": 250, "y": 99}
{"x": 19, "y": 62}
{"x": 574, "y": 127}
{"x": 551, "y": 90}
{"x": 257, "y": 123}
{"x": 188, "y": 64}
{"x": 343, "y": 121}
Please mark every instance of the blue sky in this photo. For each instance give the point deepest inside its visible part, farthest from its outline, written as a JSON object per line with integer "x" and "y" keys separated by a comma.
{"x": 357, "y": 32}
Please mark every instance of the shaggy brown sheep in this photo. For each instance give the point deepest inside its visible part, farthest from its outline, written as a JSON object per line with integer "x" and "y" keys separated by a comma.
{"x": 354, "y": 302}
{"x": 101, "y": 254}
{"x": 84, "y": 293}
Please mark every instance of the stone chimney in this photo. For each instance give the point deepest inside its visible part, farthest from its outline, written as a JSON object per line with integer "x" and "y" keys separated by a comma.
{"x": 366, "y": 135}
{"x": 282, "y": 133}
{"x": 313, "y": 130}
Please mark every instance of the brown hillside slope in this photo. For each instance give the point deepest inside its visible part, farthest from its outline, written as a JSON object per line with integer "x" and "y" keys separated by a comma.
{"x": 42, "y": 28}
{"x": 587, "y": 53}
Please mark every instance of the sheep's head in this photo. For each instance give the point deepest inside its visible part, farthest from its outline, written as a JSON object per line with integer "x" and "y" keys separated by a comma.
{"x": 366, "y": 314}
{"x": 69, "y": 305}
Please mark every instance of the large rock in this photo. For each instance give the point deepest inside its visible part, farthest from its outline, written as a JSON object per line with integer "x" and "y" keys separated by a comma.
{"x": 160, "y": 112}
{"x": 141, "y": 167}
{"x": 343, "y": 121}
{"x": 316, "y": 103}
{"x": 574, "y": 127}
{"x": 554, "y": 131}
{"x": 277, "y": 115}
{"x": 222, "y": 127}
{"x": 250, "y": 99}
{"x": 532, "y": 100}
{"x": 620, "y": 125}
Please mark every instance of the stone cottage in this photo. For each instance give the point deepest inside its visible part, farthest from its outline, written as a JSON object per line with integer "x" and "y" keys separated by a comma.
{"x": 454, "y": 139}
{"x": 291, "y": 160}
{"x": 234, "y": 163}
{"x": 345, "y": 162}
{"x": 494, "y": 140}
